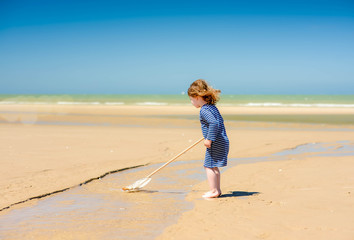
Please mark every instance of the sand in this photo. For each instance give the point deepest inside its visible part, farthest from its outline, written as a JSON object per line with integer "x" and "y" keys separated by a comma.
{"x": 50, "y": 148}
{"x": 309, "y": 198}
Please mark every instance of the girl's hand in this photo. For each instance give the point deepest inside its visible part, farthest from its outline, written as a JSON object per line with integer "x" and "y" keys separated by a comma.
{"x": 207, "y": 143}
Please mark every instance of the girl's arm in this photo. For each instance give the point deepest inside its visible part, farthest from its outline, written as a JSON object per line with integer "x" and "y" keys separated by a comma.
{"x": 213, "y": 124}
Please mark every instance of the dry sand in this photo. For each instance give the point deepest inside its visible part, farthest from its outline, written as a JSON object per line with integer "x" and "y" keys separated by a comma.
{"x": 49, "y": 148}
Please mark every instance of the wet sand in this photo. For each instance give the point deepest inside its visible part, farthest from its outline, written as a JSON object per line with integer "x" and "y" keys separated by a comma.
{"x": 50, "y": 148}
{"x": 145, "y": 214}
{"x": 308, "y": 197}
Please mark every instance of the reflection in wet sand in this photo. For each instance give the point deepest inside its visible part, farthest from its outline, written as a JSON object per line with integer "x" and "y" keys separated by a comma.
{"x": 101, "y": 210}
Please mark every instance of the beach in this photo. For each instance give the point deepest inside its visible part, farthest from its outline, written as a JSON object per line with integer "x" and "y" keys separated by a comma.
{"x": 49, "y": 148}
{"x": 308, "y": 198}
{"x": 97, "y": 96}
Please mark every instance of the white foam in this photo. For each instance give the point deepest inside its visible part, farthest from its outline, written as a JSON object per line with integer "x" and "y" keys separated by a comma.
{"x": 250, "y": 104}
{"x": 22, "y": 102}
{"x": 319, "y": 105}
{"x": 78, "y": 103}
{"x": 114, "y": 103}
{"x": 151, "y": 103}
{"x": 8, "y": 102}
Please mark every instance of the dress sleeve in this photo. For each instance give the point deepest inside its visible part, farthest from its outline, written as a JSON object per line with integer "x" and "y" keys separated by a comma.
{"x": 213, "y": 124}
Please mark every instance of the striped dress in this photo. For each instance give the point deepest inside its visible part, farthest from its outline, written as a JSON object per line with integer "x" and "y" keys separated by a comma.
{"x": 213, "y": 129}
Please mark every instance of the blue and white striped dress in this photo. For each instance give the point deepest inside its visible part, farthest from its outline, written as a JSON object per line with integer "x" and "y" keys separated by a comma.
{"x": 213, "y": 129}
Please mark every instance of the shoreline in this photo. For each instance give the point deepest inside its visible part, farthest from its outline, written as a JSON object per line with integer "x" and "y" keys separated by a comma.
{"x": 175, "y": 109}
{"x": 238, "y": 100}
{"x": 174, "y": 116}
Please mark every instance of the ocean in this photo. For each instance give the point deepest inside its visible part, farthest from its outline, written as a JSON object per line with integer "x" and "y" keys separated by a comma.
{"x": 321, "y": 101}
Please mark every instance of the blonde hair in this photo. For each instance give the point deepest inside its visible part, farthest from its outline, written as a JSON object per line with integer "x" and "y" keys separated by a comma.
{"x": 202, "y": 89}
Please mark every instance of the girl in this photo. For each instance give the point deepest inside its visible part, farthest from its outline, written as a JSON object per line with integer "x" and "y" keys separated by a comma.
{"x": 216, "y": 141}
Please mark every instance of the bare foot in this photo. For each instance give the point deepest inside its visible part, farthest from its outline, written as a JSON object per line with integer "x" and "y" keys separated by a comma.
{"x": 212, "y": 194}
{"x": 207, "y": 193}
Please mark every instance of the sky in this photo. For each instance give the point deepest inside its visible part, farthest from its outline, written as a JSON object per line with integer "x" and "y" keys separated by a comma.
{"x": 160, "y": 47}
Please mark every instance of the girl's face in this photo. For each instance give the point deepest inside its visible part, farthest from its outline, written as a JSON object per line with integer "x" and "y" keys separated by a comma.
{"x": 197, "y": 101}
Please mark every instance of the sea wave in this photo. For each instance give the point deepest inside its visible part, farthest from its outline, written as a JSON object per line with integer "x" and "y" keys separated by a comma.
{"x": 22, "y": 102}
{"x": 78, "y": 103}
{"x": 114, "y": 103}
{"x": 152, "y": 104}
{"x": 158, "y": 103}
{"x": 318, "y": 105}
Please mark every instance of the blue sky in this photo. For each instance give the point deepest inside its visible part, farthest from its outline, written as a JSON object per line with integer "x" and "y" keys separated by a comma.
{"x": 160, "y": 47}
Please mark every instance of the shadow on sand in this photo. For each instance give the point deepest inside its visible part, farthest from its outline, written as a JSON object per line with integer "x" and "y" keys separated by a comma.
{"x": 238, "y": 194}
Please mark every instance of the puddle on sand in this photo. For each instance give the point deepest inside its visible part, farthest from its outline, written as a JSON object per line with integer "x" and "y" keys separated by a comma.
{"x": 340, "y": 148}
{"x": 100, "y": 210}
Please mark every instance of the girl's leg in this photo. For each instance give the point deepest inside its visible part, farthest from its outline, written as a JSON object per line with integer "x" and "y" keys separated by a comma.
{"x": 213, "y": 175}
